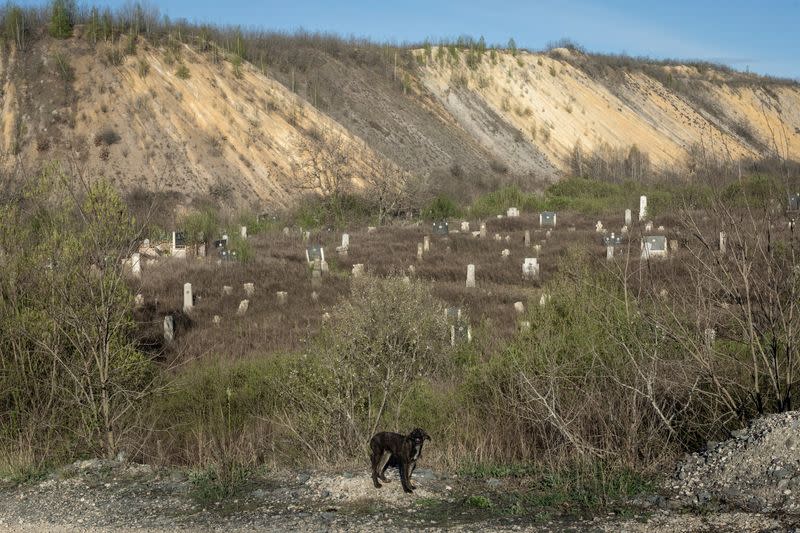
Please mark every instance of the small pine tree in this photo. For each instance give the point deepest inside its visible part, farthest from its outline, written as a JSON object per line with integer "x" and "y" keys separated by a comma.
{"x": 512, "y": 46}
{"x": 62, "y": 13}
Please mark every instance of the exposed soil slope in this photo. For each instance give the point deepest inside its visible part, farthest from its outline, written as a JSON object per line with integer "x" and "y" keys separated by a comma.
{"x": 242, "y": 135}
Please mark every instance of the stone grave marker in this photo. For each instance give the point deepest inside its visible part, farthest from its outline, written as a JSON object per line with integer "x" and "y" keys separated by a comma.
{"x": 628, "y": 217}
{"x": 524, "y": 325}
{"x": 460, "y": 333}
{"x": 243, "y": 232}
{"x": 358, "y": 270}
{"x": 249, "y": 289}
{"x": 426, "y": 243}
{"x": 609, "y": 253}
{"x": 188, "y": 300}
{"x": 243, "y": 305}
{"x": 547, "y": 218}
{"x": 345, "y": 247}
{"x": 722, "y": 242}
{"x": 227, "y": 290}
{"x": 519, "y": 307}
{"x": 527, "y": 238}
{"x": 505, "y": 253}
{"x": 282, "y": 297}
{"x": 612, "y": 240}
{"x": 648, "y": 226}
{"x": 178, "y": 248}
{"x": 452, "y": 314}
{"x": 642, "y": 208}
{"x": 216, "y": 320}
{"x": 673, "y": 245}
{"x": 315, "y": 252}
{"x": 465, "y": 226}
{"x": 470, "y": 276}
{"x": 483, "y": 230}
{"x": 512, "y": 212}
{"x": 794, "y": 202}
{"x": 420, "y": 251}
{"x": 169, "y": 329}
{"x": 530, "y": 268}
{"x": 441, "y": 228}
{"x": 316, "y": 278}
{"x": 136, "y": 265}
{"x": 654, "y": 246}
{"x": 599, "y": 226}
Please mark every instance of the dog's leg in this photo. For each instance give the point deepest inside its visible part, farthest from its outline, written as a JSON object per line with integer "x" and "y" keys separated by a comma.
{"x": 404, "y": 477}
{"x": 386, "y": 464}
{"x": 411, "y": 473}
{"x": 375, "y": 459}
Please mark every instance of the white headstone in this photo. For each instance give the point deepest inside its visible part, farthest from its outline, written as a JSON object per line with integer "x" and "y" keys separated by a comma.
{"x": 628, "y": 217}
{"x": 169, "y": 329}
{"x": 483, "y": 230}
{"x": 249, "y": 289}
{"x": 525, "y": 325}
{"x": 426, "y": 243}
{"x": 358, "y": 270}
{"x": 470, "y": 276}
{"x": 465, "y": 226}
{"x": 512, "y": 212}
{"x": 519, "y": 307}
{"x": 537, "y": 248}
{"x": 527, "y": 238}
{"x": 599, "y": 226}
{"x": 420, "y": 250}
{"x": 505, "y": 253}
{"x": 642, "y": 208}
{"x": 722, "y": 242}
{"x": 543, "y": 299}
{"x": 286, "y": 231}
{"x": 227, "y": 290}
{"x": 282, "y": 297}
{"x": 188, "y": 301}
{"x": 345, "y": 241}
{"x": 610, "y": 253}
{"x": 530, "y": 268}
{"x": 624, "y": 230}
{"x": 370, "y": 229}
{"x": 243, "y": 305}
{"x": 648, "y": 226}
{"x": 136, "y": 265}
{"x": 243, "y": 232}
{"x": 216, "y": 320}
{"x": 314, "y": 296}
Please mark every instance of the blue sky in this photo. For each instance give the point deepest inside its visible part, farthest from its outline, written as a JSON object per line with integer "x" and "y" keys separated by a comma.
{"x": 759, "y": 35}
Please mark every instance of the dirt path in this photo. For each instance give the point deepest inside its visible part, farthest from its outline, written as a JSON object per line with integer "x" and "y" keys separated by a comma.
{"x": 104, "y": 496}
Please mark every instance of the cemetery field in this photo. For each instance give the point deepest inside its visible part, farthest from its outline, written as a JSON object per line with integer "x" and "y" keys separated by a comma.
{"x": 278, "y": 263}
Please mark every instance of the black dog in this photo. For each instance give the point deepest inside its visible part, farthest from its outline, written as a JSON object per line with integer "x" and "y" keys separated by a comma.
{"x": 403, "y": 450}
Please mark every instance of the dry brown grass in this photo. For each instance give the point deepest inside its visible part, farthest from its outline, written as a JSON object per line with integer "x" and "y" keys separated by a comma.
{"x": 279, "y": 264}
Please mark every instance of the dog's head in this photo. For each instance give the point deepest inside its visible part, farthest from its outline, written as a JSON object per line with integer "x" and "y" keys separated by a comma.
{"x": 418, "y": 436}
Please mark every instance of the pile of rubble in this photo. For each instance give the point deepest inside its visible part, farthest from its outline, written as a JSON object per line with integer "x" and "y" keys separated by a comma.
{"x": 757, "y": 470}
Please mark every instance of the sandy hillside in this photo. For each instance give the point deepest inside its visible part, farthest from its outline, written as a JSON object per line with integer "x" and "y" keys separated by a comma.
{"x": 243, "y": 137}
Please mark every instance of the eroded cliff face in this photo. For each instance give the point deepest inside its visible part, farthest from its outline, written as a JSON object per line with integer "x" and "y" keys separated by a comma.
{"x": 553, "y": 105}
{"x": 239, "y": 134}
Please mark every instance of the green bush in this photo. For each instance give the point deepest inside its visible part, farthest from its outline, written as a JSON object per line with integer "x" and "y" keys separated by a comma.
{"x": 364, "y": 367}
{"x": 183, "y": 72}
{"x": 441, "y": 208}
